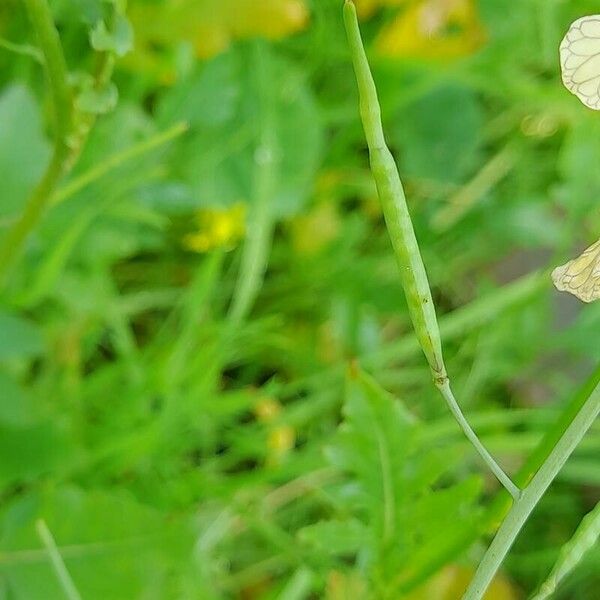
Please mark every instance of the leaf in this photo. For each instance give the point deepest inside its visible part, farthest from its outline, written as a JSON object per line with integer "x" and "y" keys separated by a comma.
{"x": 24, "y": 151}
{"x": 226, "y": 101}
{"x": 336, "y": 536}
{"x": 113, "y": 546}
{"x": 439, "y": 134}
{"x": 29, "y": 451}
{"x": 98, "y": 101}
{"x": 373, "y": 445}
{"x": 16, "y": 406}
{"x": 19, "y": 338}
{"x": 390, "y": 478}
{"x": 118, "y": 41}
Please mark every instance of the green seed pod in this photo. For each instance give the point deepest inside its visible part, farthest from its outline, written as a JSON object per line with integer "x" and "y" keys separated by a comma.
{"x": 395, "y": 210}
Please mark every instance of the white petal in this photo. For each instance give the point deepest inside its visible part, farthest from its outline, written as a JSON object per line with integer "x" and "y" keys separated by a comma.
{"x": 591, "y": 27}
{"x": 590, "y": 69}
{"x": 589, "y": 88}
{"x": 585, "y": 46}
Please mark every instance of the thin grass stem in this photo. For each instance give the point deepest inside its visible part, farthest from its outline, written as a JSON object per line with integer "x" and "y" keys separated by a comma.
{"x": 62, "y": 573}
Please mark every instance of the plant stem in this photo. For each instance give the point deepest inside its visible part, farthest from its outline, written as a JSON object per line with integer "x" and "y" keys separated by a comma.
{"x": 117, "y": 160}
{"x": 446, "y": 392}
{"x": 403, "y": 238}
{"x": 63, "y": 575}
{"x": 56, "y": 69}
{"x": 531, "y": 495}
{"x": 261, "y": 222}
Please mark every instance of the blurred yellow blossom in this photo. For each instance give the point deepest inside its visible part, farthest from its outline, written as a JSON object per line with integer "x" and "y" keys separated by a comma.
{"x": 217, "y": 228}
{"x": 280, "y": 438}
{"x": 366, "y": 8}
{"x": 433, "y": 29}
{"x": 314, "y": 230}
{"x": 267, "y": 409}
{"x": 208, "y": 26}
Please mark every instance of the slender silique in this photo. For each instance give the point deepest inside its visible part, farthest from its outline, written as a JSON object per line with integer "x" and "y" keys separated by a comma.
{"x": 402, "y": 235}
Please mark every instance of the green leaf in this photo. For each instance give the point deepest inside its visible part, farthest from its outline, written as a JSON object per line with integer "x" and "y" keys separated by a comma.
{"x": 98, "y": 101}
{"x": 30, "y": 451}
{"x": 19, "y": 338}
{"x": 16, "y": 406}
{"x": 225, "y": 102}
{"x": 439, "y": 135}
{"x": 391, "y": 479}
{"x": 113, "y": 546}
{"x": 119, "y": 40}
{"x": 24, "y": 150}
{"x": 336, "y": 536}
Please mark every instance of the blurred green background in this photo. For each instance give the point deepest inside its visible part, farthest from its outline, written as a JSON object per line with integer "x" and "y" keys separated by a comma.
{"x": 176, "y": 336}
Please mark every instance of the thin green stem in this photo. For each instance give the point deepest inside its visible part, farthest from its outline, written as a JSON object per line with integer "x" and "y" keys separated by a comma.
{"x": 531, "y": 495}
{"x": 403, "y": 238}
{"x": 56, "y": 69}
{"x": 261, "y": 220}
{"x": 63, "y": 575}
{"x": 22, "y": 49}
{"x": 446, "y": 392}
{"x": 117, "y": 160}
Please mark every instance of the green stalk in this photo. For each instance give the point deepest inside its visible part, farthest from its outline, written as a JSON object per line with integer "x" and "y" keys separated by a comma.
{"x": 64, "y": 577}
{"x": 261, "y": 222}
{"x": 404, "y": 242}
{"x": 116, "y": 160}
{"x": 56, "y": 70}
{"x": 531, "y": 495}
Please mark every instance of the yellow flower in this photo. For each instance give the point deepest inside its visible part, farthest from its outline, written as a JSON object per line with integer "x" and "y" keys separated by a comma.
{"x": 207, "y": 27}
{"x": 267, "y": 409}
{"x": 280, "y": 438}
{"x": 217, "y": 228}
{"x": 433, "y": 29}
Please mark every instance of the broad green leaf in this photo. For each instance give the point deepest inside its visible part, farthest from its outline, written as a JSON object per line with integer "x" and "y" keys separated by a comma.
{"x": 113, "y": 546}
{"x": 228, "y": 102}
{"x": 24, "y": 150}
{"x": 439, "y": 135}
{"x": 19, "y": 337}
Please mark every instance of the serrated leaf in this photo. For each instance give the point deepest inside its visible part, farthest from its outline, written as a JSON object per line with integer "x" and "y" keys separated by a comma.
{"x": 391, "y": 478}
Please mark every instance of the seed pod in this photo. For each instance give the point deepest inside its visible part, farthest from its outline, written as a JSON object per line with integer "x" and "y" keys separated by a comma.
{"x": 393, "y": 202}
